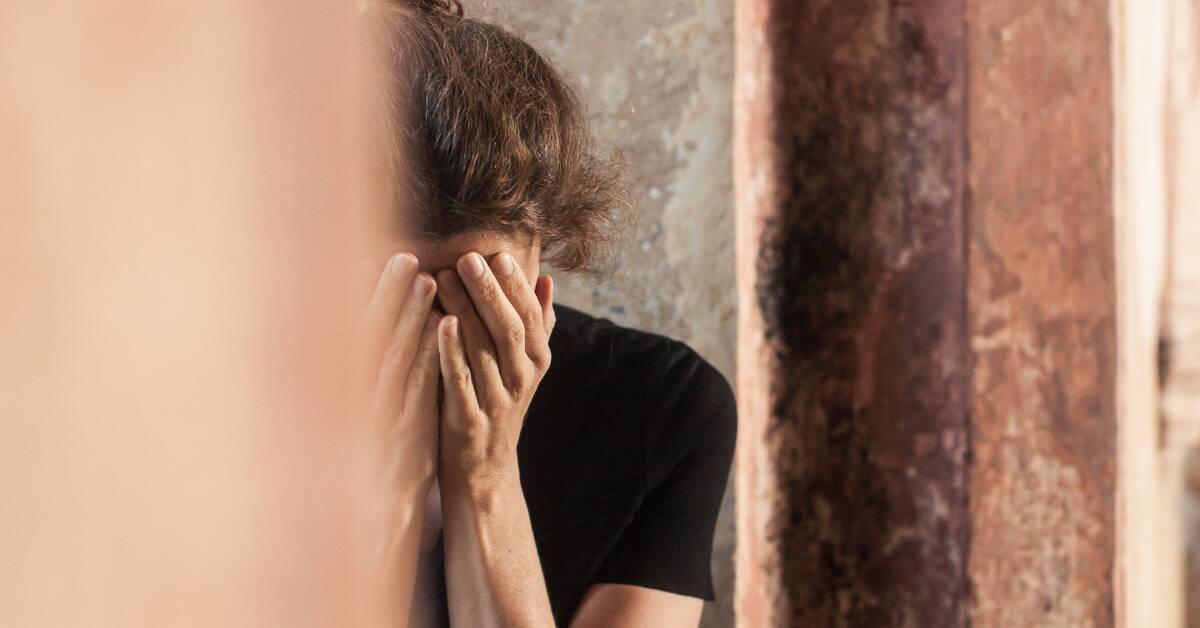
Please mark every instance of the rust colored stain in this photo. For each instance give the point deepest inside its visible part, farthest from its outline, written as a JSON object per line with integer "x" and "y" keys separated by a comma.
{"x": 853, "y": 384}
{"x": 1042, "y": 313}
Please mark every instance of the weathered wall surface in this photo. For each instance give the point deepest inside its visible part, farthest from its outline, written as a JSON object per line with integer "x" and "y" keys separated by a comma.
{"x": 657, "y": 76}
{"x": 1041, "y": 312}
{"x": 853, "y": 441}
{"x": 927, "y": 323}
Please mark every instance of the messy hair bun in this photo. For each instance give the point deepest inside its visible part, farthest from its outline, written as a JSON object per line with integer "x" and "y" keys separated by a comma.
{"x": 444, "y": 7}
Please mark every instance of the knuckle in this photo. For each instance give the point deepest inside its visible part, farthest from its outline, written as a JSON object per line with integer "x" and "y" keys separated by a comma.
{"x": 424, "y": 369}
{"x": 461, "y": 377}
{"x": 483, "y": 357}
{"x": 493, "y": 407}
{"x": 492, "y": 293}
{"x": 524, "y": 381}
{"x": 514, "y": 334}
{"x": 473, "y": 427}
{"x": 418, "y": 373}
{"x": 393, "y": 358}
{"x": 540, "y": 356}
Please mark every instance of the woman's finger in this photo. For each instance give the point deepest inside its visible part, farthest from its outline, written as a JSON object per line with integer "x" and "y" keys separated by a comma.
{"x": 420, "y": 412}
{"x": 457, "y": 379}
{"x": 480, "y": 352}
{"x": 425, "y": 375}
{"x": 404, "y": 342}
{"x": 505, "y": 326}
{"x": 544, "y": 289}
{"x": 527, "y": 306}
{"x": 379, "y": 318}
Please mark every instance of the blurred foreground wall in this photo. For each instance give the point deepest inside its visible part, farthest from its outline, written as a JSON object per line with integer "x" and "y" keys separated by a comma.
{"x": 1182, "y": 329}
{"x": 175, "y": 181}
{"x": 1159, "y": 219}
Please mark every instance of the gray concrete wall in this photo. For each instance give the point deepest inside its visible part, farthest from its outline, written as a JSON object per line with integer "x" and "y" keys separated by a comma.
{"x": 657, "y": 76}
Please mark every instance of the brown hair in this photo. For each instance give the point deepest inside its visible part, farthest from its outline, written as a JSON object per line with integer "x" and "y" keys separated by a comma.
{"x": 492, "y": 137}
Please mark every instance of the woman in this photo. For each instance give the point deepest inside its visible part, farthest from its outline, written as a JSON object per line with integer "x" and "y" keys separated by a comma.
{"x": 564, "y": 470}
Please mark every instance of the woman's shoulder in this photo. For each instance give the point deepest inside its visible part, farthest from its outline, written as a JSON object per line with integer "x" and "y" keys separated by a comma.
{"x": 629, "y": 439}
{"x": 630, "y": 357}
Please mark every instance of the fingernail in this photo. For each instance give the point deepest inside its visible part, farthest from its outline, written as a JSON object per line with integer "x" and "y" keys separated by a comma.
{"x": 503, "y": 264}
{"x": 449, "y": 325}
{"x": 402, "y": 263}
{"x": 472, "y": 265}
{"x": 422, "y": 286}
{"x": 447, "y": 279}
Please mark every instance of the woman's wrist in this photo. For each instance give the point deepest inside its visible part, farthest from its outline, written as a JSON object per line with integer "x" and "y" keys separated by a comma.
{"x": 407, "y": 475}
{"x": 483, "y": 490}
{"x": 407, "y": 496}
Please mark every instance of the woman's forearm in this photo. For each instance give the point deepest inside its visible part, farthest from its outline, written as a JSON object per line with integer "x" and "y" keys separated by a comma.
{"x": 493, "y": 574}
{"x": 401, "y": 380}
{"x": 403, "y": 518}
{"x": 493, "y": 345}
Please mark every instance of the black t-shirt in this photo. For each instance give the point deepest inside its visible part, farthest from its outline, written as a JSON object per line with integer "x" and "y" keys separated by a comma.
{"x": 624, "y": 456}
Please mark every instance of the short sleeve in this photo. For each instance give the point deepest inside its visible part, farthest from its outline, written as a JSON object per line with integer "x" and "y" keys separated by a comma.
{"x": 690, "y": 443}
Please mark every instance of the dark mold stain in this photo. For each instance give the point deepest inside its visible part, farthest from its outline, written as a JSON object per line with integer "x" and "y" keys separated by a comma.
{"x": 860, "y": 281}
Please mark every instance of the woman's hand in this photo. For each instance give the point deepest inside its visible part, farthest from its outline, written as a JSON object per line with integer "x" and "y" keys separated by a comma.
{"x": 494, "y": 349}
{"x": 401, "y": 353}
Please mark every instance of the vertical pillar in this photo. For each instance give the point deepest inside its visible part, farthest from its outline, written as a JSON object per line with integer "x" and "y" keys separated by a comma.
{"x": 926, "y": 361}
{"x": 1041, "y": 313}
{"x": 852, "y": 476}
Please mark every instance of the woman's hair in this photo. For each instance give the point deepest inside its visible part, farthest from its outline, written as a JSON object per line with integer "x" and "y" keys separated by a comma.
{"x": 486, "y": 135}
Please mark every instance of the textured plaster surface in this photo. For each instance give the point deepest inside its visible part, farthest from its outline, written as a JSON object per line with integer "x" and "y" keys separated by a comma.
{"x": 657, "y": 78}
